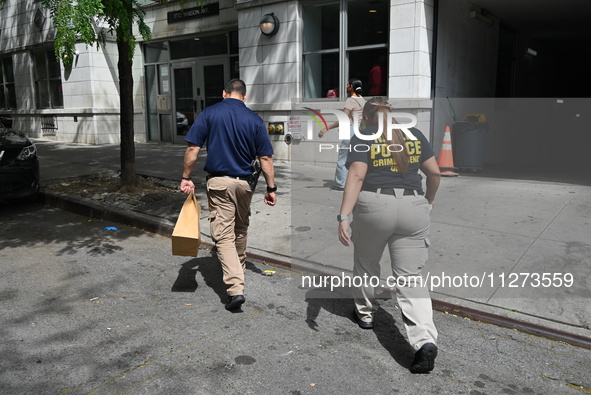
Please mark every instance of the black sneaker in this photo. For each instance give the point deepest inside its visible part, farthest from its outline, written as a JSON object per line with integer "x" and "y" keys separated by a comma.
{"x": 424, "y": 361}
{"x": 336, "y": 189}
{"x": 362, "y": 324}
{"x": 234, "y": 302}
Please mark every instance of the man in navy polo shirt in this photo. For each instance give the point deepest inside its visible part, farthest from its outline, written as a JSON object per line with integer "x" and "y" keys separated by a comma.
{"x": 234, "y": 135}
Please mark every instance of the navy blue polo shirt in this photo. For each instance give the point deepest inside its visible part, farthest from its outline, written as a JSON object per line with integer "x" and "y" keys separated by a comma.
{"x": 234, "y": 135}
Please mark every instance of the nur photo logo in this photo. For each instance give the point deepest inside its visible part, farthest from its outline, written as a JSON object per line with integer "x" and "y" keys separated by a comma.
{"x": 306, "y": 124}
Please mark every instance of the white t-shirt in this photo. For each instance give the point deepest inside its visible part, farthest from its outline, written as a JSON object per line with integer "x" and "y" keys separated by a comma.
{"x": 355, "y": 105}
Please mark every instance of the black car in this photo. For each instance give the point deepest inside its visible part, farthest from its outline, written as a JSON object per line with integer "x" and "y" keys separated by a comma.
{"x": 19, "y": 166}
{"x": 6, "y": 121}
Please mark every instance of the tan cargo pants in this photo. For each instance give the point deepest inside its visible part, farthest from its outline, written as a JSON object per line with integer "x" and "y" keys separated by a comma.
{"x": 401, "y": 223}
{"x": 229, "y": 216}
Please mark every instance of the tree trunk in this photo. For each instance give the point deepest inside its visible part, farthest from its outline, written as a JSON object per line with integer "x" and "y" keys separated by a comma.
{"x": 129, "y": 179}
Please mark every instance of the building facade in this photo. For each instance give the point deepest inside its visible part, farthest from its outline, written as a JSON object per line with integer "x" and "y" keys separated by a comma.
{"x": 194, "y": 50}
{"x": 317, "y": 48}
{"x": 47, "y": 100}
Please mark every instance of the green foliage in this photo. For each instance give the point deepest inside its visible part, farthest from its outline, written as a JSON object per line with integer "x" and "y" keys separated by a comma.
{"x": 89, "y": 22}
{"x": 73, "y": 22}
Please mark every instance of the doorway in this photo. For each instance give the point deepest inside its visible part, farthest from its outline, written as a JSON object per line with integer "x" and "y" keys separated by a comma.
{"x": 191, "y": 86}
{"x": 197, "y": 84}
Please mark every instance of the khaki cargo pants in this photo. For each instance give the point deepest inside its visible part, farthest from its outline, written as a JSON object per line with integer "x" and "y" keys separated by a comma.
{"x": 401, "y": 223}
{"x": 229, "y": 214}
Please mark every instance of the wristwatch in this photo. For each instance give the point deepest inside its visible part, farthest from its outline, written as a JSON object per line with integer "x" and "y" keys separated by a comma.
{"x": 342, "y": 217}
{"x": 269, "y": 189}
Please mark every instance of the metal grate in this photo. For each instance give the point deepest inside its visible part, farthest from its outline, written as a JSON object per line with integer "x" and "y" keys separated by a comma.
{"x": 48, "y": 125}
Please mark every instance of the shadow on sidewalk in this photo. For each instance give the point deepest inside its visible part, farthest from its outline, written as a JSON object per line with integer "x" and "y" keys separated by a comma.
{"x": 339, "y": 302}
{"x": 211, "y": 272}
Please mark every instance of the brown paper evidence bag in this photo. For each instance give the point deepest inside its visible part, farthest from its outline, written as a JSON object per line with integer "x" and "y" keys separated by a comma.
{"x": 186, "y": 236}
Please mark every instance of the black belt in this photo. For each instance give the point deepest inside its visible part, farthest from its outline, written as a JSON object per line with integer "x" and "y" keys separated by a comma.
{"x": 243, "y": 178}
{"x": 390, "y": 191}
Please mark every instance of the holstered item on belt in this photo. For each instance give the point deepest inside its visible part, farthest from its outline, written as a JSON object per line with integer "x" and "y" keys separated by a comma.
{"x": 253, "y": 178}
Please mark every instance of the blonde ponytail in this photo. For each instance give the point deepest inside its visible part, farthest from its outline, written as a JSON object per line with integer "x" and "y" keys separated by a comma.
{"x": 378, "y": 107}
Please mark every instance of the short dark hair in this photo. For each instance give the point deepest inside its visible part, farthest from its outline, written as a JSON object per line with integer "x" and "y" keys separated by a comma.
{"x": 236, "y": 85}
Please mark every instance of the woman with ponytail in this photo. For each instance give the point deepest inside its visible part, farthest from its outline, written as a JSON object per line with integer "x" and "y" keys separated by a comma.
{"x": 384, "y": 193}
{"x": 354, "y": 104}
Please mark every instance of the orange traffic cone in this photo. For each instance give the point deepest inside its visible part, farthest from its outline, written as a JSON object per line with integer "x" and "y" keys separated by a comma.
{"x": 446, "y": 159}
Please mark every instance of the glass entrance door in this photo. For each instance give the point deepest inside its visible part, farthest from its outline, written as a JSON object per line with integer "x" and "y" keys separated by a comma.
{"x": 215, "y": 75}
{"x": 197, "y": 84}
{"x": 158, "y": 106}
{"x": 185, "y": 102}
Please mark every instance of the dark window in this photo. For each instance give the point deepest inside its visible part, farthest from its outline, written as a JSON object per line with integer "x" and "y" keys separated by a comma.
{"x": 321, "y": 75}
{"x": 48, "y": 80}
{"x": 234, "y": 42}
{"x": 367, "y": 22}
{"x": 7, "y": 90}
{"x": 332, "y": 58}
{"x": 199, "y": 46}
{"x": 321, "y": 26}
{"x": 156, "y": 52}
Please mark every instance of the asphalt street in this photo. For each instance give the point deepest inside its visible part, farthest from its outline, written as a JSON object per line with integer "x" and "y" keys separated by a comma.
{"x": 90, "y": 310}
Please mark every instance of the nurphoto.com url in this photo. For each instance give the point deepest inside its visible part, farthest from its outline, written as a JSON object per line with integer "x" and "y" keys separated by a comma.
{"x": 486, "y": 280}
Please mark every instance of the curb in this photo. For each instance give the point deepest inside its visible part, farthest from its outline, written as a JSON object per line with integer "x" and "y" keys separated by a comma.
{"x": 92, "y": 210}
{"x": 511, "y": 323}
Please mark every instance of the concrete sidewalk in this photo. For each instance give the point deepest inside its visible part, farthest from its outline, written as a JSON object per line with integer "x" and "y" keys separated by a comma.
{"x": 516, "y": 248}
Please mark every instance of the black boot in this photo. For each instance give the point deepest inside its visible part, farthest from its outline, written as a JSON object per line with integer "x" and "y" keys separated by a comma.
{"x": 234, "y": 302}
{"x": 424, "y": 361}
